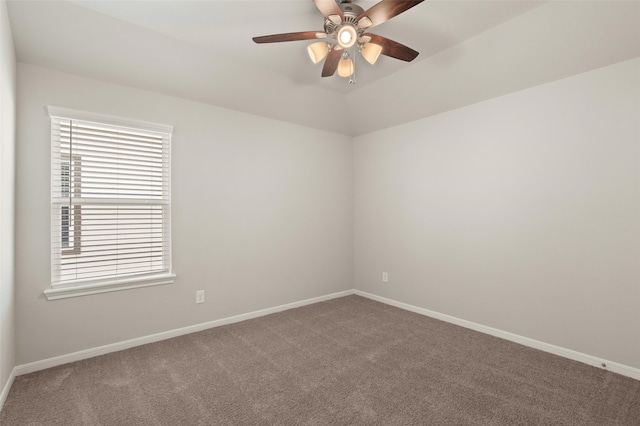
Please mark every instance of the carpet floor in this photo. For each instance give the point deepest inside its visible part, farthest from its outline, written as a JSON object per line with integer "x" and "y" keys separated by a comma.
{"x": 347, "y": 361}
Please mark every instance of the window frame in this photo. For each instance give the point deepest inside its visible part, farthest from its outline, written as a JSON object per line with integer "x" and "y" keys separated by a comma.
{"x": 81, "y": 287}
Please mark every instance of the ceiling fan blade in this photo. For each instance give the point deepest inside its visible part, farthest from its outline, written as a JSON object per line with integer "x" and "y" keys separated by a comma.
{"x": 329, "y": 8}
{"x": 331, "y": 63}
{"x": 393, "y": 48}
{"x": 387, "y": 9}
{"x": 304, "y": 35}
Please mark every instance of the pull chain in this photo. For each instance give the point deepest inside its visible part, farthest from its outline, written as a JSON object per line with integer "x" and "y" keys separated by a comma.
{"x": 352, "y": 77}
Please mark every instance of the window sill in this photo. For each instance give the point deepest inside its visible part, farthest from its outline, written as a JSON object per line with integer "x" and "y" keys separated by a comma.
{"x": 56, "y": 293}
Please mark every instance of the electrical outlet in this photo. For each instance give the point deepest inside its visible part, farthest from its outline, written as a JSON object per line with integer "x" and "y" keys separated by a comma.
{"x": 385, "y": 277}
{"x": 200, "y": 296}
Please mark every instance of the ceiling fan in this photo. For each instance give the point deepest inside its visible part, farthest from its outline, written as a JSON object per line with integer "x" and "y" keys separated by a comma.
{"x": 346, "y": 29}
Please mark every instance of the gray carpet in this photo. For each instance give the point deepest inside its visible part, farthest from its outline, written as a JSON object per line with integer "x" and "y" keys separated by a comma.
{"x": 342, "y": 362}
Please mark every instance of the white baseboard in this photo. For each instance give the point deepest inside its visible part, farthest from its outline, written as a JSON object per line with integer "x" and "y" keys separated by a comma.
{"x": 7, "y": 387}
{"x": 615, "y": 367}
{"x": 114, "y": 347}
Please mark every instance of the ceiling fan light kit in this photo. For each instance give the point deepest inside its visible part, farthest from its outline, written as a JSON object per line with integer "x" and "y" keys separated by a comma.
{"x": 318, "y": 51}
{"x": 347, "y": 36}
{"x": 371, "y": 52}
{"x": 345, "y": 67}
{"x": 345, "y": 26}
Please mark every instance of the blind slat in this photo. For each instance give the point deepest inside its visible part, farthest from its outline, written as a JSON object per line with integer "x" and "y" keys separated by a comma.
{"x": 106, "y": 130}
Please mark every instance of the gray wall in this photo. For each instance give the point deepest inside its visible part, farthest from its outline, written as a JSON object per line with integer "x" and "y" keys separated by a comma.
{"x": 262, "y": 216}
{"x": 520, "y": 213}
{"x": 7, "y": 199}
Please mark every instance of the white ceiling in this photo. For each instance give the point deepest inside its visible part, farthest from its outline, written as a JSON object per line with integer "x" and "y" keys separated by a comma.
{"x": 202, "y": 50}
{"x": 226, "y": 27}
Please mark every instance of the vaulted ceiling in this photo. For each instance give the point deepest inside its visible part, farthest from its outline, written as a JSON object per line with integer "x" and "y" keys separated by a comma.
{"x": 202, "y": 50}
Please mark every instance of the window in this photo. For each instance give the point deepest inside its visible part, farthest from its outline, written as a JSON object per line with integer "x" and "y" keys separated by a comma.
{"x": 110, "y": 204}
{"x": 70, "y": 216}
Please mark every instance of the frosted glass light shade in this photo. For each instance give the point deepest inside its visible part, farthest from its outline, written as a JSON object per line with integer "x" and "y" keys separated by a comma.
{"x": 345, "y": 67}
{"x": 318, "y": 51}
{"x": 347, "y": 36}
{"x": 370, "y": 52}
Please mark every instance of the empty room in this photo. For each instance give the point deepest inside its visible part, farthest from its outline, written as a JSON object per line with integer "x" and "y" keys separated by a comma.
{"x": 319, "y": 212}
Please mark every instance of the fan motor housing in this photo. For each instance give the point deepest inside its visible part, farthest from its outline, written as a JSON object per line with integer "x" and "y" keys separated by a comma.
{"x": 350, "y": 12}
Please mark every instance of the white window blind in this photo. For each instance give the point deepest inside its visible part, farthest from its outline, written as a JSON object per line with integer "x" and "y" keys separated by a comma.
{"x": 110, "y": 200}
